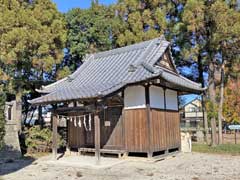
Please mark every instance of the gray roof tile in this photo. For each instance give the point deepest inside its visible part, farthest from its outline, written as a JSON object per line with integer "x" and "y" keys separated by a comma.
{"x": 106, "y": 72}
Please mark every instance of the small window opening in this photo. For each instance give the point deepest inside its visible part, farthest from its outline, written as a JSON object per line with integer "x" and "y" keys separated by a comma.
{"x": 9, "y": 113}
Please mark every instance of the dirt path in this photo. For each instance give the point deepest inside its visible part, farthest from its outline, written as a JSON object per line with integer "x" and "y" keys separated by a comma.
{"x": 193, "y": 166}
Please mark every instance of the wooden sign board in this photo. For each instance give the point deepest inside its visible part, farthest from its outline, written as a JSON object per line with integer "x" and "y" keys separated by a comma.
{"x": 107, "y": 123}
{"x": 234, "y": 127}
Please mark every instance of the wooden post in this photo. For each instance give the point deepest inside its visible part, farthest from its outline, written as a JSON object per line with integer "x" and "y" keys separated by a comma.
{"x": 123, "y": 134}
{"x": 150, "y": 153}
{"x": 40, "y": 118}
{"x": 97, "y": 138}
{"x": 235, "y": 136}
{"x": 54, "y": 137}
{"x": 68, "y": 149}
{"x": 125, "y": 154}
{"x": 148, "y": 113}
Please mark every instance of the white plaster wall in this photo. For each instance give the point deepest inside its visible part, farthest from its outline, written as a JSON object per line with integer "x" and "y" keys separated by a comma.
{"x": 156, "y": 97}
{"x": 171, "y": 99}
{"x": 134, "y": 97}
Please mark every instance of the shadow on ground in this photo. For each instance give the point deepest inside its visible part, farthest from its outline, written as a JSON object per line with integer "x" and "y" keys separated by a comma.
{"x": 11, "y": 161}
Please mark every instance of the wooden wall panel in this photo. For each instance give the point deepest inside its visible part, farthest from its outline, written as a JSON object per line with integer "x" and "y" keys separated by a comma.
{"x": 158, "y": 130}
{"x": 112, "y": 136}
{"x": 173, "y": 127}
{"x": 76, "y": 135}
{"x": 136, "y": 132}
{"x": 165, "y": 130}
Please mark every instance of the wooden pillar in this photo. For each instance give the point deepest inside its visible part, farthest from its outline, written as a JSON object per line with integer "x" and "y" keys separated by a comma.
{"x": 123, "y": 133}
{"x": 165, "y": 103}
{"x": 147, "y": 96}
{"x": 97, "y": 137}
{"x": 40, "y": 118}
{"x": 123, "y": 129}
{"x": 68, "y": 149}
{"x": 54, "y": 137}
{"x": 150, "y": 151}
{"x": 235, "y": 136}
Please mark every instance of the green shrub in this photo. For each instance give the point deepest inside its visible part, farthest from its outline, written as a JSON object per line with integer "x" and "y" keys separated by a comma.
{"x": 38, "y": 140}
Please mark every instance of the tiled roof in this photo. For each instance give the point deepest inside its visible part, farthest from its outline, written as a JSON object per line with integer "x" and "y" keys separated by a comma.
{"x": 106, "y": 72}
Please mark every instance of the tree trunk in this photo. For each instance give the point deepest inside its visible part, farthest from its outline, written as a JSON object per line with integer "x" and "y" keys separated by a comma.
{"x": 19, "y": 94}
{"x": 212, "y": 96}
{"x": 19, "y": 110}
{"x": 205, "y": 118}
{"x": 220, "y": 108}
{"x": 40, "y": 117}
{"x": 54, "y": 135}
{"x": 204, "y": 110}
{"x": 200, "y": 70}
{"x": 214, "y": 132}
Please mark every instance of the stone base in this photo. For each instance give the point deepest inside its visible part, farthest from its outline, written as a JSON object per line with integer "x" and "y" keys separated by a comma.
{"x": 200, "y": 136}
{"x": 11, "y": 148}
{"x": 186, "y": 142}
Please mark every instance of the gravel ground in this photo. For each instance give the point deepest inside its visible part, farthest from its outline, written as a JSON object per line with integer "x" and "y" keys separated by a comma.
{"x": 191, "y": 166}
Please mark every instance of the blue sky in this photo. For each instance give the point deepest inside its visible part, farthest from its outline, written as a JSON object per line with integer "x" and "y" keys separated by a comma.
{"x": 65, "y": 5}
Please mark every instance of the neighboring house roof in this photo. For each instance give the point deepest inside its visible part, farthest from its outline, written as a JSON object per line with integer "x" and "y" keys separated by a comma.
{"x": 191, "y": 102}
{"x": 106, "y": 72}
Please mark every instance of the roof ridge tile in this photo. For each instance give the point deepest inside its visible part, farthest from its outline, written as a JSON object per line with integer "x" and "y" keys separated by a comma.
{"x": 140, "y": 45}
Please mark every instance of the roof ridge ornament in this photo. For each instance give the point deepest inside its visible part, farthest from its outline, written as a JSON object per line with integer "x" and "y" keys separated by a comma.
{"x": 160, "y": 39}
{"x": 132, "y": 68}
{"x": 70, "y": 78}
{"x": 141, "y": 59}
{"x": 148, "y": 67}
{"x": 144, "y": 53}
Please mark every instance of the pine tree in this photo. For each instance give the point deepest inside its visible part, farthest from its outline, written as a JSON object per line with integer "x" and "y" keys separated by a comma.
{"x": 225, "y": 40}
{"x": 89, "y": 31}
{"x": 142, "y": 20}
{"x": 33, "y": 36}
{"x": 32, "y": 40}
{"x": 208, "y": 32}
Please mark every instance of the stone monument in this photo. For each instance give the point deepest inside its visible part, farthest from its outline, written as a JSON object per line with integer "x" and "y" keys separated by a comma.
{"x": 11, "y": 148}
{"x": 186, "y": 142}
